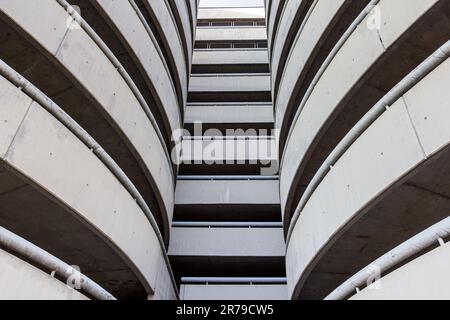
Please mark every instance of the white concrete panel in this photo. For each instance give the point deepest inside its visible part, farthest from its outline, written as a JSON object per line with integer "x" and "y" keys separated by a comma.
{"x": 350, "y": 64}
{"x": 231, "y": 3}
{"x": 386, "y": 152}
{"x": 227, "y": 242}
{"x": 13, "y": 107}
{"x": 233, "y": 292}
{"x": 22, "y": 281}
{"x": 86, "y": 62}
{"x": 229, "y": 83}
{"x": 231, "y": 34}
{"x": 163, "y": 283}
{"x": 302, "y": 49}
{"x": 428, "y": 104}
{"x": 225, "y": 57}
{"x": 127, "y": 22}
{"x": 397, "y": 16}
{"x": 236, "y": 149}
{"x": 81, "y": 56}
{"x": 194, "y": 5}
{"x": 48, "y": 27}
{"x": 187, "y": 25}
{"x": 271, "y": 27}
{"x": 290, "y": 11}
{"x": 168, "y": 28}
{"x": 231, "y": 13}
{"x": 50, "y": 155}
{"x": 355, "y": 58}
{"x": 227, "y": 192}
{"x": 229, "y": 114}
{"x": 424, "y": 278}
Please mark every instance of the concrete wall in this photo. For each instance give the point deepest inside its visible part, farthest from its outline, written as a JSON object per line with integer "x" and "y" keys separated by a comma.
{"x": 228, "y": 242}
{"x": 402, "y": 140}
{"x": 292, "y": 11}
{"x": 233, "y": 113}
{"x": 330, "y": 65}
{"x": 194, "y": 6}
{"x": 217, "y": 198}
{"x": 227, "y": 192}
{"x": 45, "y": 152}
{"x": 91, "y": 215}
{"x": 221, "y": 149}
{"x": 306, "y": 40}
{"x": 91, "y": 69}
{"x": 231, "y": 34}
{"x": 230, "y": 13}
{"x": 216, "y": 203}
{"x": 21, "y": 281}
{"x": 186, "y": 24}
{"x": 272, "y": 20}
{"x": 352, "y": 62}
{"x": 233, "y": 292}
{"x": 211, "y": 57}
{"x": 229, "y": 83}
{"x": 167, "y": 28}
{"x": 424, "y": 278}
{"x": 141, "y": 42}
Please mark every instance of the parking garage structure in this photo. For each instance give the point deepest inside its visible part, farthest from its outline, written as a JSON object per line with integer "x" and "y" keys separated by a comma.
{"x": 90, "y": 97}
{"x": 358, "y": 103}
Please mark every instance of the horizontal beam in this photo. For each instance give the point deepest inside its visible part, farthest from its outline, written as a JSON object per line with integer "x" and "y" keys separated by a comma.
{"x": 200, "y": 280}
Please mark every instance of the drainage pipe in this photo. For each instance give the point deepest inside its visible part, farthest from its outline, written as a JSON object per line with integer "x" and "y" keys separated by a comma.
{"x": 87, "y": 28}
{"x": 406, "y": 250}
{"x": 48, "y": 104}
{"x": 44, "y": 259}
{"x": 425, "y": 68}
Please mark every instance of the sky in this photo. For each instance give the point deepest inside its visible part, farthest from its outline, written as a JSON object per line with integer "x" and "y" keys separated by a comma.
{"x": 231, "y": 3}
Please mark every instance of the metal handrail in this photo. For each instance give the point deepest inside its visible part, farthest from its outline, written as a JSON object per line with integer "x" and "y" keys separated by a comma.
{"x": 224, "y": 280}
{"x": 414, "y": 77}
{"x": 215, "y": 224}
{"x": 422, "y": 241}
{"x": 44, "y": 259}
{"x": 115, "y": 62}
{"x": 228, "y": 75}
{"x": 225, "y": 178}
{"x": 48, "y": 104}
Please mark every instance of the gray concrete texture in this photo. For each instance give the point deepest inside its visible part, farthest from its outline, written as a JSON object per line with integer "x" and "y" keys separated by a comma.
{"x": 403, "y": 153}
{"x": 391, "y": 183}
{"x": 40, "y": 156}
{"x": 233, "y": 292}
{"x": 124, "y": 76}
{"x": 321, "y": 129}
{"x": 424, "y": 278}
{"x": 125, "y": 134}
{"x": 22, "y": 281}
